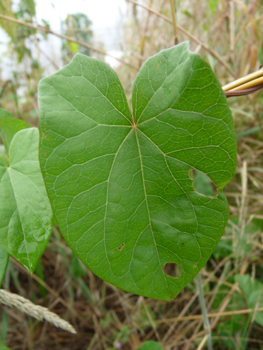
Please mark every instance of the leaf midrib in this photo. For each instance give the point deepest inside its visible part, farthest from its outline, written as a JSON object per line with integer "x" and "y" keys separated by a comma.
{"x": 148, "y": 212}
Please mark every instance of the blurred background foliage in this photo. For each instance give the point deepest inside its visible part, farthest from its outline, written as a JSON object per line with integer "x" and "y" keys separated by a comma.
{"x": 76, "y": 26}
{"x": 228, "y": 35}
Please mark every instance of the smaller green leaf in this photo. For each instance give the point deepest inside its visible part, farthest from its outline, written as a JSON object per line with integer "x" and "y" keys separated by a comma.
{"x": 150, "y": 345}
{"x": 4, "y": 256}
{"x": 4, "y": 347}
{"x": 9, "y": 127}
{"x": 253, "y": 293}
{"x": 5, "y": 114}
{"x": 25, "y": 212}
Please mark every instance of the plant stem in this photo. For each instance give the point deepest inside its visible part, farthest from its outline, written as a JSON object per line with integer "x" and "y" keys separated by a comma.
{"x": 245, "y": 85}
{"x": 248, "y": 81}
{"x": 203, "y": 45}
{"x": 174, "y": 22}
{"x": 204, "y": 312}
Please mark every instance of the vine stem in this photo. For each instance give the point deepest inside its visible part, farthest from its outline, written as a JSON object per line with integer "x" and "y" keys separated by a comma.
{"x": 245, "y": 85}
{"x": 204, "y": 312}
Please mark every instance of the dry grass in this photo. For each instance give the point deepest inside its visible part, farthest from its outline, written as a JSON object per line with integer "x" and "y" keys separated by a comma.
{"x": 106, "y": 317}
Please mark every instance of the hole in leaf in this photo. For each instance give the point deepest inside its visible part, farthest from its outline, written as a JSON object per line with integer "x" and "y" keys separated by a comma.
{"x": 195, "y": 265}
{"x": 172, "y": 269}
{"x": 121, "y": 246}
{"x": 191, "y": 174}
{"x": 203, "y": 184}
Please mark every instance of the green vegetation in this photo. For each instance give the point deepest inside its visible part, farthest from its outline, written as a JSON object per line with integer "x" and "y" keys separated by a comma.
{"x": 137, "y": 169}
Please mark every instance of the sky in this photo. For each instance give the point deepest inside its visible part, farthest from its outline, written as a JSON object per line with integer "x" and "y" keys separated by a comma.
{"x": 105, "y": 16}
{"x": 103, "y": 13}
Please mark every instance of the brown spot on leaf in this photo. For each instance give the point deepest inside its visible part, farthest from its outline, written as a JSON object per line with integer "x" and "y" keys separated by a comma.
{"x": 121, "y": 246}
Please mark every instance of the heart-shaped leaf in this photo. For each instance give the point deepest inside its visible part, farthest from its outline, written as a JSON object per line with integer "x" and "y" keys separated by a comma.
{"x": 119, "y": 183}
{"x": 25, "y": 212}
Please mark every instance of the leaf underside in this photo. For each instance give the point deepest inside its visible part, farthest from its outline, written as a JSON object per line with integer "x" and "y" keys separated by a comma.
{"x": 25, "y": 213}
{"x": 119, "y": 183}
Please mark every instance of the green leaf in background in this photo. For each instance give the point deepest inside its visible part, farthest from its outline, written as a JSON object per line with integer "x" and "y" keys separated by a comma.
{"x": 242, "y": 241}
{"x": 5, "y": 114}
{"x": 9, "y": 27}
{"x": 4, "y": 257}
{"x": 27, "y": 6}
{"x": 25, "y": 212}
{"x": 253, "y": 292}
{"x": 4, "y": 347}
{"x": 150, "y": 345}
{"x": 119, "y": 182}
{"x": 9, "y": 127}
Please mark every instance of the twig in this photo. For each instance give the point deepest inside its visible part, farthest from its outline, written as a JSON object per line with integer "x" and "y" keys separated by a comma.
{"x": 174, "y": 22}
{"x": 206, "y": 47}
{"x": 202, "y": 343}
{"x": 39, "y": 312}
{"x": 204, "y": 312}
{"x": 65, "y": 37}
{"x": 211, "y": 315}
{"x": 145, "y": 33}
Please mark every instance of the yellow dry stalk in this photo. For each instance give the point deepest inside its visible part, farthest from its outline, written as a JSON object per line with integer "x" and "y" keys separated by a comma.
{"x": 39, "y": 312}
{"x": 245, "y": 85}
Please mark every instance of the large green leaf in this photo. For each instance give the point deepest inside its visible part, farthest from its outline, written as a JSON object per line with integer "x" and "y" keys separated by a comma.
{"x": 25, "y": 212}
{"x": 119, "y": 183}
{"x": 9, "y": 127}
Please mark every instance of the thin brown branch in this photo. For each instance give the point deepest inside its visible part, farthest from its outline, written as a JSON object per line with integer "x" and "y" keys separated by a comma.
{"x": 65, "y": 37}
{"x": 211, "y": 315}
{"x": 206, "y": 47}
